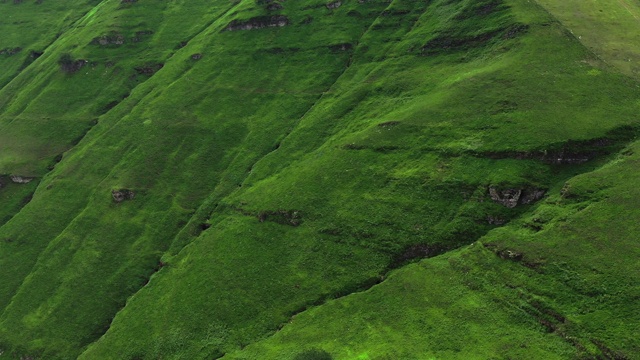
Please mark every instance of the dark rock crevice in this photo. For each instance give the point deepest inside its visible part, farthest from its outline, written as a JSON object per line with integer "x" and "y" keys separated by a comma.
{"x": 259, "y": 22}
{"x": 512, "y": 197}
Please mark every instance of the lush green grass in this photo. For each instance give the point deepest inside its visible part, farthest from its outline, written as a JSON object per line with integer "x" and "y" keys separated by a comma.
{"x": 606, "y": 27}
{"x": 317, "y": 156}
{"x": 569, "y": 289}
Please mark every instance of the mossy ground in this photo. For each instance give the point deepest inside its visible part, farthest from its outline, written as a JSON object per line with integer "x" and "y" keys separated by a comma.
{"x": 275, "y": 169}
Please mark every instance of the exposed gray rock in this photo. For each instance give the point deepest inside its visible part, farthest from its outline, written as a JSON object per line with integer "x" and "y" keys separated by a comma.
{"x": 259, "y": 22}
{"x": 20, "y": 179}
{"x": 122, "y": 195}
{"x": 507, "y": 197}
{"x": 510, "y": 255}
{"x": 334, "y": 4}
{"x": 513, "y": 197}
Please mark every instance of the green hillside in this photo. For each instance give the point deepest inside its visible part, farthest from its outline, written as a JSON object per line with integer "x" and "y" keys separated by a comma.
{"x": 267, "y": 179}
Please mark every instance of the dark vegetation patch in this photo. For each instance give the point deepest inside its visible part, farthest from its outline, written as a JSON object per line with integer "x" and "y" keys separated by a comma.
{"x": 148, "y": 69}
{"x": 70, "y": 65}
{"x": 10, "y": 51}
{"x": 481, "y": 8}
{"x": 282, "y": 50}
{"x": 139, "y": 36}
{"x": 313, "y": 354}
{"x": 505, "y": 106}
{"x": 112, "y": 38}
{"x": 270, "y": 5}
{"x": 496, "y": 220}
{"x": 34, "y": 54}
{"x": 259, "y": 22}
{"x": 416, "y": 252}
{"x": 353, "y": 146}
{"x": 463, "y": 34}
{"x": 341, "y": 47}
{"x": 283, "y": 217}
{"x": 125, "y": 4}
{"x": 514, "y": 31}
{"x": 608, "y": 353}
{"x": 395, "y": 12}
{"x": 449, "y": 42}
{"x": 274, "y": 6}
{"x": 572, "y": 151}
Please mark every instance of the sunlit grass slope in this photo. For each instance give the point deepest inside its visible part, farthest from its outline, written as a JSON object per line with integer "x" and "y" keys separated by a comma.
{"x": 399, "y": 152}
{"x": 609, "y": 28}
{"x": 561, "y": 282}
{"x": 277, "y": 155}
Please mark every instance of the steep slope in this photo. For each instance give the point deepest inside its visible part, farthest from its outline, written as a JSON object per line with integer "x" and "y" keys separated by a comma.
{"x": 561, "y": 282}
{"x": 251, "y": 159}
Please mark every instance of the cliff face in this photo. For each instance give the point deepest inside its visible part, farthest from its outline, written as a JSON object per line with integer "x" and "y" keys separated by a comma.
{"x": 188, "y": 179}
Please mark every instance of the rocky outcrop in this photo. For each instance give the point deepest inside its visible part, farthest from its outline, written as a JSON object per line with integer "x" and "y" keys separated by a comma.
{"x": 334, "y": 5}
{"x": 512, "y": 197}
{"x": 110, "y": 39}
{"x": 20, "y": 179}
{"x": 122, "y": 195}
{"x": 507, "y": 197}
{"x": 140, "y": 35}
{"x": 259, "y": 22}
{"x": 510, "y": 255}
{"x": 70, "y": 65}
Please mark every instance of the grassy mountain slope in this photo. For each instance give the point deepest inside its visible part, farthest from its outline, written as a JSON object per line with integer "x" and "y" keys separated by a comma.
{"x": 230, "y": 164}
{"x": 606, "y": 27}
{"x": 561, "y": 282}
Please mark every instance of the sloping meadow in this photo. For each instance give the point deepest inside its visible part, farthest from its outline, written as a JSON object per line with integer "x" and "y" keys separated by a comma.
{"x": 207, "y": 170}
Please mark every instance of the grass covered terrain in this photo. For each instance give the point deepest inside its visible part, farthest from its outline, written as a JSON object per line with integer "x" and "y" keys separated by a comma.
{"x": 216, "y": 178}
{"x": 560, "y": 282}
